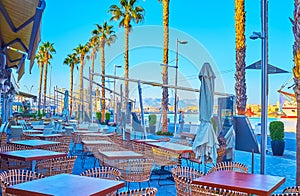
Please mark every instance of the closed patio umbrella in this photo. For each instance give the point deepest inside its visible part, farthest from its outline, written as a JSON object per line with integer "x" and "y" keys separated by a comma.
{"x": 66, "y": 112}
{"x": 206, "y": 143}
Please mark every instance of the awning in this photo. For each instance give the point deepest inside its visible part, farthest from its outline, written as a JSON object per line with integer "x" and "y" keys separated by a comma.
{"x": 271, "y": 68}
{"x": 20, "y": 31}
{"x": 28, "y": 95}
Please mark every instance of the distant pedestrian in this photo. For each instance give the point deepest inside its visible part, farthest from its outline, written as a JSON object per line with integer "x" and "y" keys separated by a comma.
{"x": 181, "y": 121}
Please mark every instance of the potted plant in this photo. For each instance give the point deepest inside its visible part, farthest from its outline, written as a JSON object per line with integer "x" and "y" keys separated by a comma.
{"x": 107, "y": 117}
{"x": 98, "y": 116}
{"x": 152, "y": 123}
{"x": 277, "y": 137}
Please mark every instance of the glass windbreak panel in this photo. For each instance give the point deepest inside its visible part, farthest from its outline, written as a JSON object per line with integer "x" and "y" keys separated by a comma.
{"x": 226, "y": 110}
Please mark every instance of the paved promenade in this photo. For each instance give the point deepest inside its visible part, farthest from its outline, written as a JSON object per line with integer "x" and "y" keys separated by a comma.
{"x": 278, "y": 166}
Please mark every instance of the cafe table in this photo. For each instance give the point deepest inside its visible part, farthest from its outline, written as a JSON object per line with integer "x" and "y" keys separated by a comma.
{"x": 173, "y": 147}
{"x": 120, "y": 155}
{"x": 31, "y": 155}
{"x": 35, "y": 143}
{"x": 32, "y": 131}
{"x": 66, "y": 184}
{"x": 243, "y": 182}
{"x": 45, "y": 136}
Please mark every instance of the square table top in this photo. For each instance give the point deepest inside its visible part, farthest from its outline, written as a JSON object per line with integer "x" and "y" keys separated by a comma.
{"x": 244, "y": 182}
{"x": 146, "y": 140}
{"x": 119, "y": 155}
{"x": 34, "y": 143}
{"x": 66, "y": 184}
{"x": 31, "y": 155}
{"x": 95, "y": 142}
{"x": 32, "y": 131}
{"x": 173, "y": 147}
{"x": 45, "y": 135}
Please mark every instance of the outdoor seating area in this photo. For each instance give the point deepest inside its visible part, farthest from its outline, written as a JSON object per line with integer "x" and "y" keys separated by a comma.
{"x": 139, "y": 165}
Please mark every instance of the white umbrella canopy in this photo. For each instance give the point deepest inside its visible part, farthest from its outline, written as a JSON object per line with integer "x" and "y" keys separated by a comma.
{"x": 206, "y": 143}
{"x": 66, "y": 111}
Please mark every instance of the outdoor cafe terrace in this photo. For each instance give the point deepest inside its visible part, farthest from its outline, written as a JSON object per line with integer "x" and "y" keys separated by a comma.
{"x": 102, "y": 162}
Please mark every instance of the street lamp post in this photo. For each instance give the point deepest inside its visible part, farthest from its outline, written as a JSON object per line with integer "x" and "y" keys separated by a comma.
{"x": 115, "y": 105}
{"x": 264, "y": 83}
{"x": 176, "y": 75}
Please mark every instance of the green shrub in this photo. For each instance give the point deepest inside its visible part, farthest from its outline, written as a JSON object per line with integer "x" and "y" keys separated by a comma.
{"x": 164, "y": 133}
{"x": 98, "y": 115}
{"x": 152, "y": 119}
{"x": 276, "y": 131}
{"x": 107, "y": 116}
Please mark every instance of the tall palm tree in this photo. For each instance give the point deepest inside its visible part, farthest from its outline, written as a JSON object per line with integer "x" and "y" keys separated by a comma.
{"x": 240, "y": 74}
{"x": 165, "y": 93}
{"x": 126, "y": 12}
{"x": 46, "y": 50}
{"x": 93, "y": 42}
{"x": 39, "y": 59}
{"x": 81, "y": 50}
{"x": 296, "y": 72}
{"x": 71, "y": 60}
{"x": 106, "y": 36}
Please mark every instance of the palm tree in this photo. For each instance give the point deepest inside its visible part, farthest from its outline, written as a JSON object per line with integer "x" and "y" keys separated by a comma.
{"x": 125, "y": 13}
{"x": 46, "y": 51}
{"x": 81, "y": 50}
{"x": 106, "y": 36}
{"x": 240, "y": 74}
{"x": 165, "y": 93}
{"x": 296, "y": 72}
{"x": 39, "y": 59}
{"x": 93, "y": 42}
{"x": 71, "y": 60}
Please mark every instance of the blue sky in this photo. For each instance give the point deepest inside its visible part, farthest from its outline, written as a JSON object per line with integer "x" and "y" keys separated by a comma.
{"x": 207, "y": 25}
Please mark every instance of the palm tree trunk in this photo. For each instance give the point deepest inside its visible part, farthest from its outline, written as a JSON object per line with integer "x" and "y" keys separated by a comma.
{"x": 240, "y": 74}
{"x": 41, "y": 66}
{"x": 103, "y": 82}
{"x": 71, "y": 88}
{"x": 165, "y": 94}
{"x": 45, "y": 85}
{"x": 296, "y": 72}
{"x": 297, "y": 93}
{"x": 81, "y": 88}
{"x": 126, "y": 67}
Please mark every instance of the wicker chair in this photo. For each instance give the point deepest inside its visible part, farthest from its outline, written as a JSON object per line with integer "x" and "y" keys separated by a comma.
{"x": 3, "y": 139}
{"x": 55, "y": 166}
{"x": 60, "y": 147}
{"x": 292, "y": 189}
{"x": 151, "y": 191}
{"x": 136, "y": 170}
{"x": 12, "y": 163}
{"x": 183, "y": 187}
{"x": 198, "y": 190}
{"x": 229, "y": 166}
{"x": 103, "y": 172}
{"x": 12, "y": 177}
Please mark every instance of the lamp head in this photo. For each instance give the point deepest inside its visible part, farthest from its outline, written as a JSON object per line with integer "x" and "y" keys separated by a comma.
{"x": 256, "y": 35}
{"x": 182, "y": 41}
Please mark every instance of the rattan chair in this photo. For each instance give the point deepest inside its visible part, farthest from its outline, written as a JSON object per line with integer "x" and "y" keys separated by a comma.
{"x": 151, "y": 191}
{"x": 12, "y": 177}
{"x": 13, "y": 163}
{"x": 55, "y": 166}
{"x": 292, "y": 189}
{"x": 183, "y": 187}
{"x": 103, "y": 172}
{"x": 3, "y": 138}
{"x": 136, "y": 170}
{"x": 198, "y": 190}
{"x": 229, "y": 166}
{"x": 60, "y": 147}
